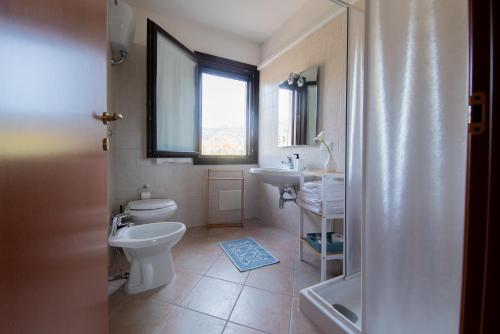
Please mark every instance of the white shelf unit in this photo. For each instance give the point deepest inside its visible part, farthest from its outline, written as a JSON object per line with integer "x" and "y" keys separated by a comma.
{"x": 326, "y": 216}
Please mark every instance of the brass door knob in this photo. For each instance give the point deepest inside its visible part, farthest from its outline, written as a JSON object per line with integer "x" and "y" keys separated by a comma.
{"x": 107, "y": 117}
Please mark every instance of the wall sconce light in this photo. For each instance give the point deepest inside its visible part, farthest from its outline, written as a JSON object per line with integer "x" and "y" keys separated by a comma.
{"x": 300, "y": 80}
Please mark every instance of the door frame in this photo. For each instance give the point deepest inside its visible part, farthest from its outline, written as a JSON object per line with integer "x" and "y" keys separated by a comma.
{"x": 481, "y": 251}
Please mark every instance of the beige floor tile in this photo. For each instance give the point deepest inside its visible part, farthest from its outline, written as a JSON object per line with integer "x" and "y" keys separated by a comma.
{"x": 116, "y": 300}
{"x": 238, "y": 329}
{"x": 176, "y": 290}
{"x": 224, "y": 269}
{"x": 184, "y": 321}
{"x": 282, "y": 243}
{"x": 313, "y": 260}
{"x": 304, "y": 278}
{"x": 255, "y": 311}
{"x": 291, "y": 246}
{"x": 276, "y": 278}
{"x": 308, "y": 273}
{"x": 254, "y": 229}
{"x": 213, "y": 296}
{"x": 263, "y": 310}
{"x": 196, "y": 231}
{"x": 286, "y": 257}
{"x": 203, "y": 244}
{"x": 139, "y": 316}
{"x": 309, "y": 264}
{"x": 299, "y": 323}
{"x": 195, "y": 260}
{"x": 210, "y": 244}
{"x": 227, "y": 233}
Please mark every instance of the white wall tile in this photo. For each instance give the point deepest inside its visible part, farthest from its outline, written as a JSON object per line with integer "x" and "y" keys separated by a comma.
{"x": 326, "y": 48}
{"x": 186, "y": 184}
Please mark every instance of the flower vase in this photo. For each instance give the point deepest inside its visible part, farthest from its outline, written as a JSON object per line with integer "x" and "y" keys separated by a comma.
{"x": 330, "y": 164}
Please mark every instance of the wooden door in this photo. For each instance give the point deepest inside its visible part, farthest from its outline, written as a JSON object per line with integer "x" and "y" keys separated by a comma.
{"x": 53, "y": 211}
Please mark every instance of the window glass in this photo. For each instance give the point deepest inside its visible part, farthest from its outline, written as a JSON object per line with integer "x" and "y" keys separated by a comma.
{"x": 224, "y": 115}
{"x": 285, "y": 117}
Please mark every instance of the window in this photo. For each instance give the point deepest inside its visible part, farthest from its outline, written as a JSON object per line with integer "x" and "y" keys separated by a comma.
{"x": 285, "y": 116}
{"x": 224, "y": 108}
{"x": 199, "y": 106}
{"x": 228, "y": 92}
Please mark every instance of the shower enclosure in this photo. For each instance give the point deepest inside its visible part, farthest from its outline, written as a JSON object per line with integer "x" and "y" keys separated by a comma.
{"x": 335, "y": 305}
{"x": 405, "y": 172}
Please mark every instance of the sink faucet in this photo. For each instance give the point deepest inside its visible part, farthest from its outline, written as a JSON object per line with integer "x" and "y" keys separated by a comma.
{"x": 117, "y": 223}
{"x": 288, "y": 162}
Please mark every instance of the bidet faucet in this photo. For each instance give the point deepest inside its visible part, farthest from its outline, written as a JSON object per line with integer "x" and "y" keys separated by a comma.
{"x": 117, "y": 223}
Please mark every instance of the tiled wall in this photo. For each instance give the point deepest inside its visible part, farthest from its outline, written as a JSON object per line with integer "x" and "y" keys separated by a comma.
{"x": 199, "y": 37}
{"x": 130, "y": 169}
{"x": 327, "y": 48}
{"x": 310, "y": 15}
{"x": 187, "y": 184}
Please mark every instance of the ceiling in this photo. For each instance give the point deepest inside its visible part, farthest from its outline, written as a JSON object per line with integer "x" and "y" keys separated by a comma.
{"x": 255, "y": 20}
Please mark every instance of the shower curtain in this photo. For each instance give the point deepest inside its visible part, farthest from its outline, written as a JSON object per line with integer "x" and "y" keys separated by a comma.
{"x": 415, "y": 165}
{"x": 175, "y": 98}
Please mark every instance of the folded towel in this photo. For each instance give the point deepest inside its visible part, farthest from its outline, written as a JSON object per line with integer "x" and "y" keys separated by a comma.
{"x": 310, "y": 207}
{"x": 311, "y": 196}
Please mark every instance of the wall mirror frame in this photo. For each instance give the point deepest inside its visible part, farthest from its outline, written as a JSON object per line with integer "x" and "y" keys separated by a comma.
{"x": 298, "y": 104}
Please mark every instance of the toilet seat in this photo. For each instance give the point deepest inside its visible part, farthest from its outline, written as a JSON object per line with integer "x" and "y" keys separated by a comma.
{"x": 151, "y": 204}
{"x": 151, "y": 210}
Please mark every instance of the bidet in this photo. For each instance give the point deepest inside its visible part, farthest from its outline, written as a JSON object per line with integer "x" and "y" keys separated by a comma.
{"x": 148, "y": 249}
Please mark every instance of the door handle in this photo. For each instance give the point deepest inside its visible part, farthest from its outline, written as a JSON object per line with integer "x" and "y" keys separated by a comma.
{"x": 107, "y": 117}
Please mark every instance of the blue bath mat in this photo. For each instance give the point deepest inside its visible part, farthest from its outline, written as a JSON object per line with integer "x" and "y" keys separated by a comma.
{"x": 247, "y": 254}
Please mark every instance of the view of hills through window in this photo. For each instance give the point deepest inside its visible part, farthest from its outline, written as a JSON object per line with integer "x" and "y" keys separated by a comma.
{"x": 224, "y": 115}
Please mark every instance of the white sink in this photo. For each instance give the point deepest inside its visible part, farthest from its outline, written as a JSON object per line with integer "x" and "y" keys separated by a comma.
{"x": 279, "y": 177}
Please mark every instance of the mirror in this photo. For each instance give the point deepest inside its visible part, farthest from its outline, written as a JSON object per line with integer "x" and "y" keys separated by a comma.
{"x": 298, "y": 108}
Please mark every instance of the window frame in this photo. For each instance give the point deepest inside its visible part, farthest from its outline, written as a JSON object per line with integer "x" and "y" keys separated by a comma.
{"x": 231, "y": 69}
{"x": 210, "y": 64}
{"x": 153, "y": 30}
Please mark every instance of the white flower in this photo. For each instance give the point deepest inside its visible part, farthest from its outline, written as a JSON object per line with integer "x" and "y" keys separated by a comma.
{"x": 320, "y": 138}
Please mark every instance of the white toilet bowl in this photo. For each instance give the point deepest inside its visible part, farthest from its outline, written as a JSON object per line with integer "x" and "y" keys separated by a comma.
{"x": 148, "y": 249}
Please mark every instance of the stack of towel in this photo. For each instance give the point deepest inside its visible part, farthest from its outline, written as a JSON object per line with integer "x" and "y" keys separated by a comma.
{"x": 309, "y": 197}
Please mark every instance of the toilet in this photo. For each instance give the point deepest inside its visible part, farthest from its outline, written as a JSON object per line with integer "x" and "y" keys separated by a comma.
{"x": 148, "y": 243}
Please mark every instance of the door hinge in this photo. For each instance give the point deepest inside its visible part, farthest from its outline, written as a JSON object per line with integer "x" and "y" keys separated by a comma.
{"x": 477, "y": 113}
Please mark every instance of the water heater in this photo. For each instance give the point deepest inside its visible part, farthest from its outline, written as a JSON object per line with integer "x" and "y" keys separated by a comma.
{"x": 121, "y": 20}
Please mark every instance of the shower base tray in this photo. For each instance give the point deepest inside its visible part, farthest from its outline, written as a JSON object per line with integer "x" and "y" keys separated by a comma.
{"x": 317, "y": 301}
